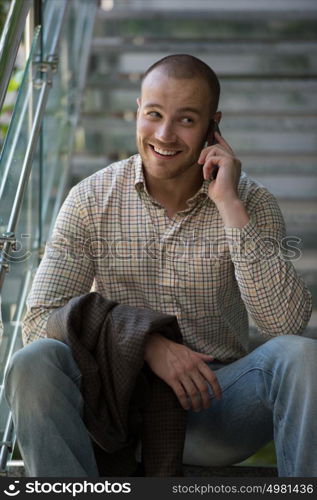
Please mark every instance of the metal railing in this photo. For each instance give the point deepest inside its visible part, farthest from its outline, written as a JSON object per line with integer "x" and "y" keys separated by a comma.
{"x": 10, "y": 41}
{"x": 57, "y": 39}
{"x": 46, "y": 68}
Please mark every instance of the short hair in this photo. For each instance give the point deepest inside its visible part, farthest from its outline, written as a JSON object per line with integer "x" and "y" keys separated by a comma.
{"x": 187, "y": 66}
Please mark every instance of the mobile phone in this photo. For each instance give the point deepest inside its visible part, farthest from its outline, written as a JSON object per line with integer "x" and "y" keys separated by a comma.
{"x": 216, "y": 129}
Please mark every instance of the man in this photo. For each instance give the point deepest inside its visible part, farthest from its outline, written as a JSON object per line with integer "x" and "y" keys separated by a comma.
{"x": 179, "y": 229}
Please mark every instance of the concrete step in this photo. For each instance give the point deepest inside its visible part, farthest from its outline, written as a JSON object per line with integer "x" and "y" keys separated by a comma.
{"x": 289, "y": 9}
{"x": 290, "y": 186}
{"x": 275, "y": 164}
{"x": 292, "y": 59}
{"x": 268, "y": 98}
{"x": 136, "y": 45}
{"x": 15, "y": 468}
{"x": 301, "y": 220}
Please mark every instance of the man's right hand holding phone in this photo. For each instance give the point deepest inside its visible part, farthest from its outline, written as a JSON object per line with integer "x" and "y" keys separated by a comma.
{"x": 223, "y": 190}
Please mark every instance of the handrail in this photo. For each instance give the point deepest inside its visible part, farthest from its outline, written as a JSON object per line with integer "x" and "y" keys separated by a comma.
{"x": 27, "y": 163}
{"x": 50, "y": 51}
{"x": 42, "y": 72}
{"x": 10, "y": 41}
{"x": 48, "y": 66}
{"x": 8, "y": 436}
{"x": 26, "y": 168}
{"x": 6, "y": 169}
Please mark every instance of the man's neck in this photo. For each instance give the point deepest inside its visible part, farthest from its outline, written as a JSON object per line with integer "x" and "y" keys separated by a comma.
{"x": 174, "y": 193}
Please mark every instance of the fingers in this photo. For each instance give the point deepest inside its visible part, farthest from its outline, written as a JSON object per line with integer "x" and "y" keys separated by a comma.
{"x": 223, "y": 142}
{"x": 214, "y": 154}
{"x": 209, "y": 166}
{"x": 196, "y": 389}
{"x": 203, "y": 155}
{"x": 184, "y": 370}
{"x": 222, "y": 147}
{"x": 200, "y": 399}
{"x": 181, "y": 394}
{"x": 205, "y": 357}
{"x": 192, "y": 395}
{"x": 192, "y": 390}
{"x": 210, "y": 376}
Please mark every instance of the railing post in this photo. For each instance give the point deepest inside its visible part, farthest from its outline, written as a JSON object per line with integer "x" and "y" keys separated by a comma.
{"x": 10, "y": 41}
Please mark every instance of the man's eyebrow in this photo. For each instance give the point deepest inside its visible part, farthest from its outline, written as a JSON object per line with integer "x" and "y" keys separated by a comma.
{"x": 186, "y": 109}
{"x": 152, "y": 105}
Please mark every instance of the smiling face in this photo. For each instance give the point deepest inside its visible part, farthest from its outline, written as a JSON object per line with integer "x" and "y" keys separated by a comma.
{"x": 174, "y": 116}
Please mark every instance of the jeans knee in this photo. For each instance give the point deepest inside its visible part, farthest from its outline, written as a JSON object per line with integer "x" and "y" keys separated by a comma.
{"x": 32, "y": 364}
{"x": 294, "y": 350}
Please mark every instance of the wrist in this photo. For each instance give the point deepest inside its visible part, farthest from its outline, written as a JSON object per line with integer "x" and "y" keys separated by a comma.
{"x": 233, "y": 212}
{"x": 150, "y": 345}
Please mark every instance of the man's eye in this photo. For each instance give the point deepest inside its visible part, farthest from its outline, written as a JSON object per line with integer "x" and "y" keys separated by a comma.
{"x": 186, "y": 119}
{"x": 153, "y": 114}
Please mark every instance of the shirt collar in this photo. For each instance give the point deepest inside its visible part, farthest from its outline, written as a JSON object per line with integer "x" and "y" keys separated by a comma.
{"x": 139, "y": 181}
{"x": 139, "y": 184}
{"x": 201, "y": 194}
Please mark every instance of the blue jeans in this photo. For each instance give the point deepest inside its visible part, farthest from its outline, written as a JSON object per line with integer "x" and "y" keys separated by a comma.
{"x": 269, "y": 394}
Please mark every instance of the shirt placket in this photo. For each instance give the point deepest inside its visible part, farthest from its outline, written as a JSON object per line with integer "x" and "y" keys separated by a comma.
{"x": 164, "y": 228}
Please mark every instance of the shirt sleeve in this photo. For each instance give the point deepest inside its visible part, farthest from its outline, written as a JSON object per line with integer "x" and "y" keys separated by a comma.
{"x": 275, "y": 296}
{"x": 66, "y": 270}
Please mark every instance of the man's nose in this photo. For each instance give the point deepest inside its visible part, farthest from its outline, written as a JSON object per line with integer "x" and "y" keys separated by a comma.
{"x": 165, "y": 132}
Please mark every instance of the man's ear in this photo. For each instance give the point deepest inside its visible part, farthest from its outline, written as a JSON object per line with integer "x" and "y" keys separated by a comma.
{"x": 210, "y": 139}
{"x": 217, "y": 116}
{"x": 138, "y": 101}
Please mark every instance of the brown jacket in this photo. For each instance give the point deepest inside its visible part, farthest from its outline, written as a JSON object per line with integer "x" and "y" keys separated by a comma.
{"x": 123, "y": 398}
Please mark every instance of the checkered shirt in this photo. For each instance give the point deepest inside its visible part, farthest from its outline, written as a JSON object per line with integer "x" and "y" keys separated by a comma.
{"x": 111, "y": 236}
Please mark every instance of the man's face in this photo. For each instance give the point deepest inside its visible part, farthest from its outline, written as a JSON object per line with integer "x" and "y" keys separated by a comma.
{"x": 173, "y": 120}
